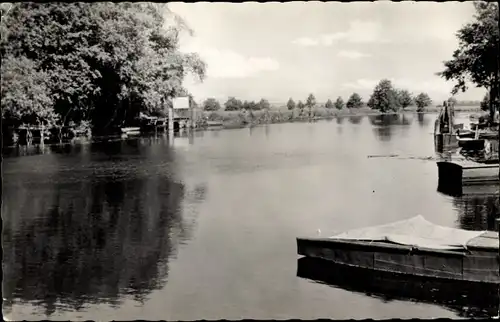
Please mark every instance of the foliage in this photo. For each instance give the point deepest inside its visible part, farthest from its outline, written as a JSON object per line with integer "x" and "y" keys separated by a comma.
{"x": 339, "y": 103}
{"x": 233, "y": 104}
{"x": 475, "y": 59}
{"x": 422, "y": 100}
{"x": 354, "y": 101}
{"x": 485, "y": 103}
{"x": 250, "y": 106}
{"x": 384, "y": 97}
{"x": 300, "y": 105}
{"x": 24, "y": 93}
{"x": 103, "y": 61}
{"x": 264, "y": 104}
{"x": 211, "y": 104}
{"x": 329, "y": 104}
{"x": 311, "y": 101}
{"x": 290, "y": 104}
{"x": 405, "y": 98}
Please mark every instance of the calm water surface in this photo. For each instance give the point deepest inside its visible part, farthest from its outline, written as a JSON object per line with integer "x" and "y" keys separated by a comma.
{"x": 204, "y": 227}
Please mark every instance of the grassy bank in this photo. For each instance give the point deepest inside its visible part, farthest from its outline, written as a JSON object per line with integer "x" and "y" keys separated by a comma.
{"x": 235, "y": 119}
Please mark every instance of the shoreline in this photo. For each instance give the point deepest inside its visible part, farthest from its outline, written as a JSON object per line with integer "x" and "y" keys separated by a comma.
{"x": 242, "y": 119}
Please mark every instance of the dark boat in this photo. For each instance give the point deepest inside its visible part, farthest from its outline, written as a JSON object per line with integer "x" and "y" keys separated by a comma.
{"x": 465, "y": 299}
{"x": 413, "y": 247}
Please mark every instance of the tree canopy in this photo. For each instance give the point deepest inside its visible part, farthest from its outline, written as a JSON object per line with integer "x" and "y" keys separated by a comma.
{"x": 101, "y": 61}
{"x": 385, "y": 97}
{"x": 476, "y": 60}
{"x": 354, "y": 101}
{"x": 339, "y": 103}
{"x": 422, "y": 100}
{"x": 290, "y": 104}
{"x": 329, "y": 104}
{"x": 211, "y": 104}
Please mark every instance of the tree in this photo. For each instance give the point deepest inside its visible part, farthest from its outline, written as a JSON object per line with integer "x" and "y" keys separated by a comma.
{"x": 354, "y": 101}
{"x": 250, "y": 106}
{"x": 290, "y": 104}
{"x": 384, "y": 97}
{"x": 300, "y": 105}
{"x": 211, "y": 104}
{"x": 264, "y": 104}
{"x": 233, "y": 104}
{"x": 339, "y": 103}
{"x": 405, "y": 98}
{"x": 103, "y": 62}
{"x": 475, "y": 60}
{"x": 422, "y": 100}
{"x": 311, "y": 101}
{"x": 24, "y": 92}
{"x": 329, "y": 104}
{"x": 485, "y": 103}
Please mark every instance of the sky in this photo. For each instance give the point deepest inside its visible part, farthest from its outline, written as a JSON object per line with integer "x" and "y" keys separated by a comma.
{"x": 282, "y": 50}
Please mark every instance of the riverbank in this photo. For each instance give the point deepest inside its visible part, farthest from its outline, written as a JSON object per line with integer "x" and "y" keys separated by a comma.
{"x": 235, "y": 119}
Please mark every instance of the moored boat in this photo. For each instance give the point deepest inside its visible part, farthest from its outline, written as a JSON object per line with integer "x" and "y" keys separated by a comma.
{"x": 468, "y": 172}
{"x": 413, "y": 247}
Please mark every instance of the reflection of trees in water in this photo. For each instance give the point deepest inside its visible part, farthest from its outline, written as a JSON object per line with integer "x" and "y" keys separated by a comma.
{"x": 477, "y": 212}
{"x": 94, "y": 240}
{"x": 423, "y": 120}
{"x": 340, "y": 119}
{"x": 355, "y": 119}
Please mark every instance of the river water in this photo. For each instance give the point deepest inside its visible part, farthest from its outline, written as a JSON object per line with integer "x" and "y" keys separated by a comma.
{"x": 203, "y": 226}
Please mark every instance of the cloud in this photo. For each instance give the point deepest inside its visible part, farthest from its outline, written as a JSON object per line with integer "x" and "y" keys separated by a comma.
{"x": 224, "y": 63}
{"x": 351, "y": 54}
{"x": 358, "y": 32}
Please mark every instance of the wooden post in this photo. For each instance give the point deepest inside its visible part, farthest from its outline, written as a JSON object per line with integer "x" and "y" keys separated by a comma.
{"x": 42, "y": 136}
{"x": 170, "y": 119}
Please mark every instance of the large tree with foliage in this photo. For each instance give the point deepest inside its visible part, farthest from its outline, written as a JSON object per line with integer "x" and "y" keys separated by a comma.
{"x": 354, "y": 101}
{"x": 290, "y": 104}
{"x": 422, "y": 100}
{"x": 101, "y": 61}
{"x": 405, "y": 98}
{"x": 233, "y": 104}
{"x": 339, "y": 103}
{"x": 384, "y": 97}
{"x": 329, "y": 104}
{"x": 476, "y": 60}
{"x": 211, "y": 104}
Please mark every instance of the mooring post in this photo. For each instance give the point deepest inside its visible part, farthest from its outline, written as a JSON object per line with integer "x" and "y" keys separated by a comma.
{"x": 170, "y": 120}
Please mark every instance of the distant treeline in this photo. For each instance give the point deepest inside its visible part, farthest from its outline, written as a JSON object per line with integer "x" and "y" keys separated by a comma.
{"x": 385, "y": 98}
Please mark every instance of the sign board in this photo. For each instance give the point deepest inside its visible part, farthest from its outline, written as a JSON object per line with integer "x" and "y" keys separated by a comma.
{"x": 180, "y": 103}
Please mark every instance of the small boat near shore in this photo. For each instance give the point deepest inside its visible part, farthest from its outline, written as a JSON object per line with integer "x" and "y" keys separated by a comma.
{"x": 413, "y": 247}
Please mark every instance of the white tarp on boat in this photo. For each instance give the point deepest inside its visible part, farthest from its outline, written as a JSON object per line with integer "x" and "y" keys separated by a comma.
{"x": 416, "y": 231}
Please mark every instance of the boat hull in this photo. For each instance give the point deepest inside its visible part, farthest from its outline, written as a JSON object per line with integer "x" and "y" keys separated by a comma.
{"x": 477, "y": 265}
{"x": 467, "y": 173}
{"x": 467, "y": 299}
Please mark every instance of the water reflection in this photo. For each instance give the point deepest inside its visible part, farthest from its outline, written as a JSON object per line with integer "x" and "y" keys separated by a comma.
{"x": 107, "y": 233}
{"x": 423, "y": 120}
{"x": 340, "y": 119}
{"x": 466, "y": 299}
{"x": 477, "y": 212}
{"x": 355, "y": 119}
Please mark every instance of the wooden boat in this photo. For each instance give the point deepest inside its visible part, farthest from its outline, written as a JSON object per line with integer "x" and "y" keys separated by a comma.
{"x": 412, "y": 247}
{"x": 468, "y": 172}
{"x": 464, "y": 298}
